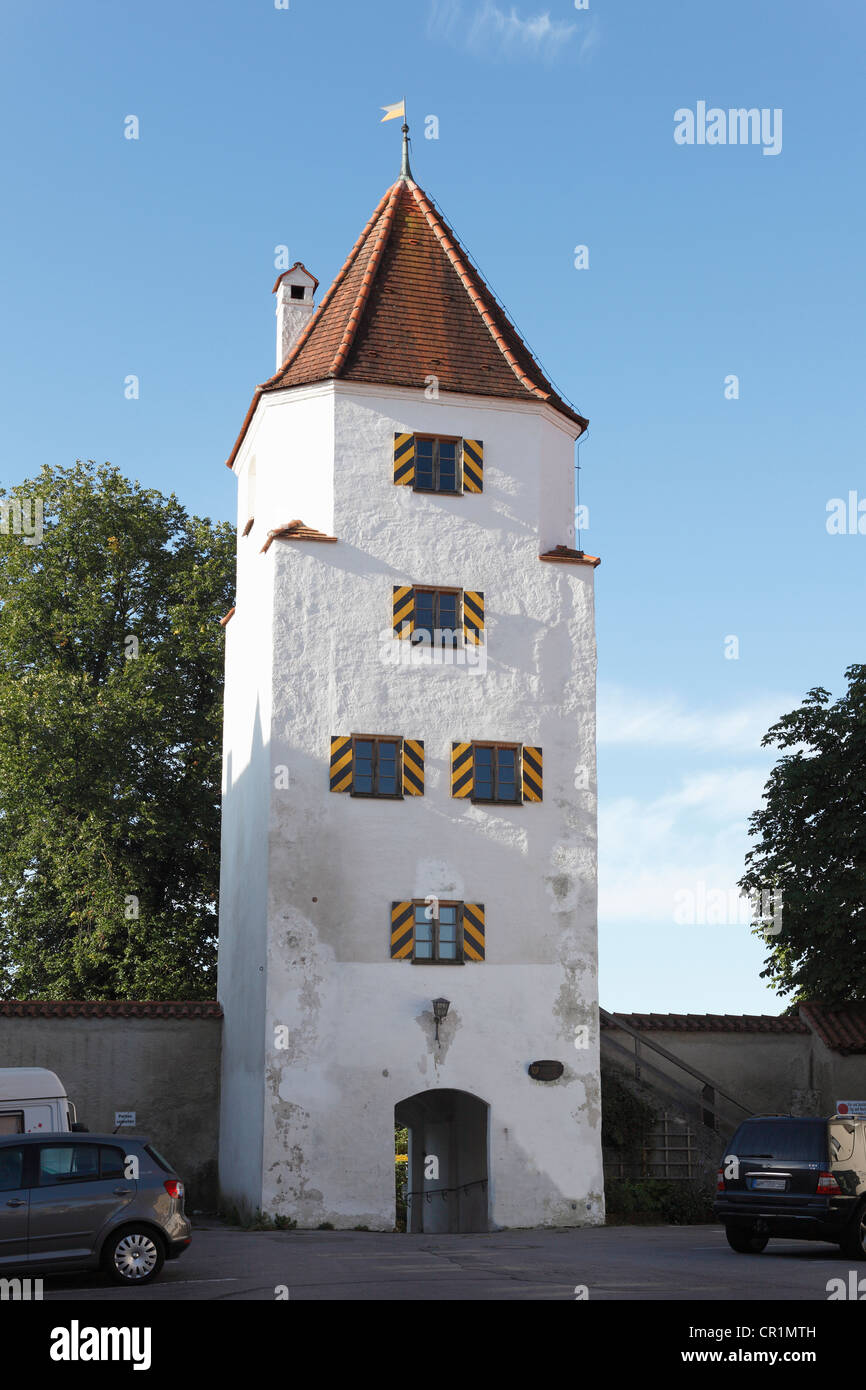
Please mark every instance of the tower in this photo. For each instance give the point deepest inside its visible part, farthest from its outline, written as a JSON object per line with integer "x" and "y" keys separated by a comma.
{"x": 408, "y": 892}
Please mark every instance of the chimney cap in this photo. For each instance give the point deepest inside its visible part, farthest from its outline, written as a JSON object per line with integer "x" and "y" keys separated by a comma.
{"x": 299, "y": 265}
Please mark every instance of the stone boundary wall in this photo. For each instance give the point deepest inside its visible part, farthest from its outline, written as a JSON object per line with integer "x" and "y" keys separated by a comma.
{"x": 161, "y": 1060}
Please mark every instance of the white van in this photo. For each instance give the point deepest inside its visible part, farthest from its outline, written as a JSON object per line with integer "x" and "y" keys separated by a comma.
{"x": 33, "y": 1100}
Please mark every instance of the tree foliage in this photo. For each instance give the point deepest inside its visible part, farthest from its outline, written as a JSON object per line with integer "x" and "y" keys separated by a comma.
{"x": 110, "y": 741}
{"x": 811, "y": 844}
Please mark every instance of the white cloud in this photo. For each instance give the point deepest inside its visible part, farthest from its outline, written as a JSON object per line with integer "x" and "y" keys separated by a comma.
{"x": 651, "y": 851}
{"x": 492, "y": 31}
{"x": 674, "y": 932}
{"x": 664, "y": 721}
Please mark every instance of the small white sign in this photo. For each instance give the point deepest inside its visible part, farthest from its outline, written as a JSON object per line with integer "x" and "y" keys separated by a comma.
{"x": 851, "y": 1107}
{"x": 124, "y": 1117}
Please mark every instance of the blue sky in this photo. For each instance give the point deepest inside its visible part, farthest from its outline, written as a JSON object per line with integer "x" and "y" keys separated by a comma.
{"x": 259, "y": 126}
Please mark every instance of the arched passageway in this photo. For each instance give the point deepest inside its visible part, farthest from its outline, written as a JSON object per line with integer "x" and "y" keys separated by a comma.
{"x": 447, "y": 1188}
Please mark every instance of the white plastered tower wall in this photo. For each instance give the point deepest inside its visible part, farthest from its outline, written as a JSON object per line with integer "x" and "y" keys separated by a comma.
{"x": 310, "y": 649}
{"x": 246, "y": 782}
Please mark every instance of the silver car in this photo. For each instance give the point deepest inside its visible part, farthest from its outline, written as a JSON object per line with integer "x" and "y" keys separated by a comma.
{"x": 85, "y": 1201}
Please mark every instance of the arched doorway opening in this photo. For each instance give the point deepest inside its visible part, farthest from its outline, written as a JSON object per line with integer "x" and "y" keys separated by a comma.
{"x": 446, "y": 1172}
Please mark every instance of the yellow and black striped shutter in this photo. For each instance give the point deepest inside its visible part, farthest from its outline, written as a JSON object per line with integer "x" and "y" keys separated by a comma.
{"x": 413, "y": 767}
{"x": 403, "y": 620}
{"x": 462, "y": 769}
{"x": 404, "y": 460}
{"x": 341, "y": 763}
{"x": 402, "y": 930}
{"x": 473, "y": 465}
{"x": 473, "y": 931}
{"x": 532, "y": 774}
{"x": 473, "y": 616}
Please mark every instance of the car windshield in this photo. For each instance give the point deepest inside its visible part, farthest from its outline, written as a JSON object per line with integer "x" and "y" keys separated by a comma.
{"x": 791, "y": 1141}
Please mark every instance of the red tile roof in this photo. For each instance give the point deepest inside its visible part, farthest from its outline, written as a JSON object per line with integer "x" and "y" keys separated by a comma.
{"x": 110, "y": 1008}
{"x": 295, "y": 531}
{"x": 712, "y": 1023}
{"x": 843, "y": 1030}
{"x": 408, "y": 304}
{"x": 571, "y": 557}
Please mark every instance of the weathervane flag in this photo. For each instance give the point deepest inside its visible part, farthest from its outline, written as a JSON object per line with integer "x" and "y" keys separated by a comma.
{"x": 392, "y": 112}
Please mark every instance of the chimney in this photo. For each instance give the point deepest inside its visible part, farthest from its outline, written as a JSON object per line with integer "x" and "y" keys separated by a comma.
{"x": 294, "y": 290}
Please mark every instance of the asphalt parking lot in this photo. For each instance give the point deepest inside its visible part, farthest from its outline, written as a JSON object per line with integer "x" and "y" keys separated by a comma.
{"x": 613, "y": 1263}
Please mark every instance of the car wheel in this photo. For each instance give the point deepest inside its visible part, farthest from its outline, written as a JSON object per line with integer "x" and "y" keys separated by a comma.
{"x": 854, "y": 1244}
{"x": 134, "y": 1255}
{"x": 744, "y": 1240}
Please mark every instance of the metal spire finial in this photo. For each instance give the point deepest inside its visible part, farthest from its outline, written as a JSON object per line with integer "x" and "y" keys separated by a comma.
{"x": 405, "y": 171}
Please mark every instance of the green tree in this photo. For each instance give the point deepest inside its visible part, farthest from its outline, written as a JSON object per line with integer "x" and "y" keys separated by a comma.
{"x": 110, "y": 740}
{"x": 811, "y": 844}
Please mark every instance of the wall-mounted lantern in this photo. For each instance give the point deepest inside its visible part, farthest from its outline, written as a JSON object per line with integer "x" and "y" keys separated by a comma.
{"x": 440, "y": 1009}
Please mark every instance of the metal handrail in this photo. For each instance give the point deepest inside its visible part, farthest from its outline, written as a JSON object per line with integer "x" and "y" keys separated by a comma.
{"x": 671, "y": 1057}
{"x": 670, "y": 1083}
{"x": 704, "y": 1103}
{"x": 429, "y": 1192}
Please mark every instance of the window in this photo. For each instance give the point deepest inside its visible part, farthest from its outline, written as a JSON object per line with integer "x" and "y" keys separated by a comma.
{"x": 496, "y": 773}
{"x": 785, "y": 1140}
{"x": 437, "y": 617}
{"x": 158, "y": 1158}
{"x": 376, "y": 767}
{"x": 68, "y": 1163}
{"x": 12, "y": 1122}
{"x": 111, "y": 1163}
{"x": 367, "y": 765}
{"x": 436, "y": 464}
{"x": 437, "y": 932}
{"x": 504, "y": 772}
{"x": 296, "y": 291}
{"x": 11, "y": 1169}
{"x": 451, "y": 933}
{"x": 842, "y": 1142}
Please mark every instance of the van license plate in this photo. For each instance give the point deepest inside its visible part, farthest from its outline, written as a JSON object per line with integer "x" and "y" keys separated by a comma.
{"x": 769, "y": 1184}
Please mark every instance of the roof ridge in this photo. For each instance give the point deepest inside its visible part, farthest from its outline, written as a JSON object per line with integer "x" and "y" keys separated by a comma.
{"x": 387, "y": 221}
{"x": 113, "y": 1008}
{"x": 452, "y": 250}
{"x": 696, "y": 1022}
{"x": 315, "y": 318}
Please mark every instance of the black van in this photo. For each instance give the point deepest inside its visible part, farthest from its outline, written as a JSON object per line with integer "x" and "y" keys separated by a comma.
{"x": 795, "y": 1179}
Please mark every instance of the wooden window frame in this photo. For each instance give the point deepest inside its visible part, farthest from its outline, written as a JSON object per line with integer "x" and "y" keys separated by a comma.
{"x": 456, "y": 439}
{"x": 460, "y": 958}
{"x": 438, "y": 589}
{"x": 518, "y": 774}
{"x": 376, "y": 739}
